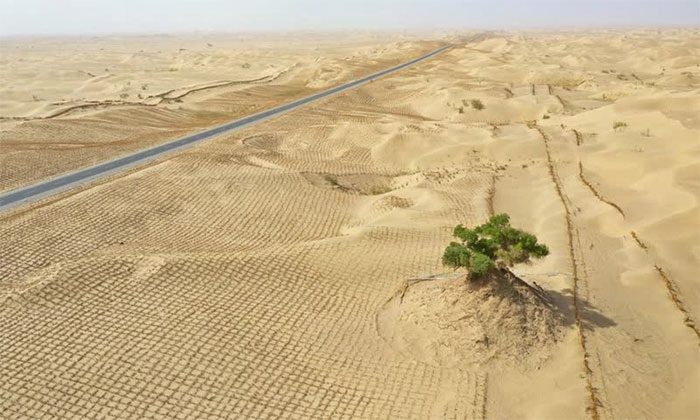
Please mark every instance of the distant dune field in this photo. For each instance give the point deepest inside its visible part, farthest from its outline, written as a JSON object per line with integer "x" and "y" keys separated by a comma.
{"x": 292, "y": 269}
{"x": 70, "y": 103}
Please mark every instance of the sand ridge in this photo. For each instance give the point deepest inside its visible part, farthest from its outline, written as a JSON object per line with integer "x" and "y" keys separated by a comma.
{"x": 244, "y": 277}
{"x": 63, "y": 111}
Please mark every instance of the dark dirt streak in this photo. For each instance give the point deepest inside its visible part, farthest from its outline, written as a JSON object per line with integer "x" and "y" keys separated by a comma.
{"x": 95, "y": 105}
{"x": 673, "y": 292}
{"x": 593, "y": 400}
{"x": 162, "y": 97}
{"x": 595, "y": 192}
{"x": 563, "y": 104}
{"x": 491, "y": 195}
{"x": 638, "y": 241}
{"x": 670, "y": 285}
{"x": 483, "y": 390}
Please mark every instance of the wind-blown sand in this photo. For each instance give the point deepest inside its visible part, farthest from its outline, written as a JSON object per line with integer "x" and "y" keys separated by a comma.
{"x": 292, "y": 269}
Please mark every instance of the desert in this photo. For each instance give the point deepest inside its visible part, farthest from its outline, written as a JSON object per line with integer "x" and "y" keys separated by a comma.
{"x": 292, "y": 269}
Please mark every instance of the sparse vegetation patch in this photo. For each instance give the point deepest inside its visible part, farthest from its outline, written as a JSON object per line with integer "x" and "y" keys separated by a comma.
{"x": 490, "y": 245}
{"x": 619, "y": 125}
{"x": 477, "y": 104}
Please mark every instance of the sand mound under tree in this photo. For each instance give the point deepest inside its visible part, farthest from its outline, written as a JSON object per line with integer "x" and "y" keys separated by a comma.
{"x": 447, "y": 321}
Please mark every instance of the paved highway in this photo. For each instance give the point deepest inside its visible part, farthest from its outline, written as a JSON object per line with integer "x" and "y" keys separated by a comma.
{"x": 24, "y": 195}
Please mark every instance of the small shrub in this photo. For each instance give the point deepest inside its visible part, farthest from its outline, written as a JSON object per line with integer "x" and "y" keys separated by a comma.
{"x": 379, "y": 189}
{"x": 619, "y": 125}
{"x": 490, "y": 245}
{"x": 460, "y": 110}
{"x": 477, "y": 104}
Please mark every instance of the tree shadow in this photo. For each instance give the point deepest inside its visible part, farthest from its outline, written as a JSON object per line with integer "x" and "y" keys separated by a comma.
{"x": 589, "y": 315}
{"x": 507, "y": 285}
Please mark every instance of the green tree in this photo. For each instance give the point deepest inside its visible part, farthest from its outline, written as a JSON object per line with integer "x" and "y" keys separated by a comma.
{"x": 491, "y": 245}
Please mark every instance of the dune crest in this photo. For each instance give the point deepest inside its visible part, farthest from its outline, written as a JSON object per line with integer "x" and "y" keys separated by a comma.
{"x": 256, "y": 275}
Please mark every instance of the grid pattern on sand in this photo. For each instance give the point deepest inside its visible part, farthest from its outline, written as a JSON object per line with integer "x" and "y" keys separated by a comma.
{"x": 210, "y": 336}
{"x": 209, "y": 286}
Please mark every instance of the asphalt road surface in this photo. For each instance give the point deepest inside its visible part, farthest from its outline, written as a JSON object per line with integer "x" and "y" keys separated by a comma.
{"x": 60, "y": 183}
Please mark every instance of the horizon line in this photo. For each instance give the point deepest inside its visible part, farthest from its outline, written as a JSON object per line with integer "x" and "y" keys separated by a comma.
{"x": 402, "y": 30}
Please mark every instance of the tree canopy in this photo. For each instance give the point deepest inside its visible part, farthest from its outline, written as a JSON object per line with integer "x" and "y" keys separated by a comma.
{"x": 495, "y": 243}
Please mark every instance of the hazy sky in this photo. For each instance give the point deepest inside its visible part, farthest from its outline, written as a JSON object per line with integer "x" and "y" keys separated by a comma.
{"x": 103, "y": 16}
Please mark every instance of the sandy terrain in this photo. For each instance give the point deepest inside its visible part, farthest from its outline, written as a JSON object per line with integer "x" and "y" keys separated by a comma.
{"x": 292, "y": 269}
{"x": 68, "y": 103}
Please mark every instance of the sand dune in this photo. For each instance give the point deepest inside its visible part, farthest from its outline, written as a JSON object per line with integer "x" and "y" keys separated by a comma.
{"x": 156, "y": 88}
{"x": 292, "y": 269}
